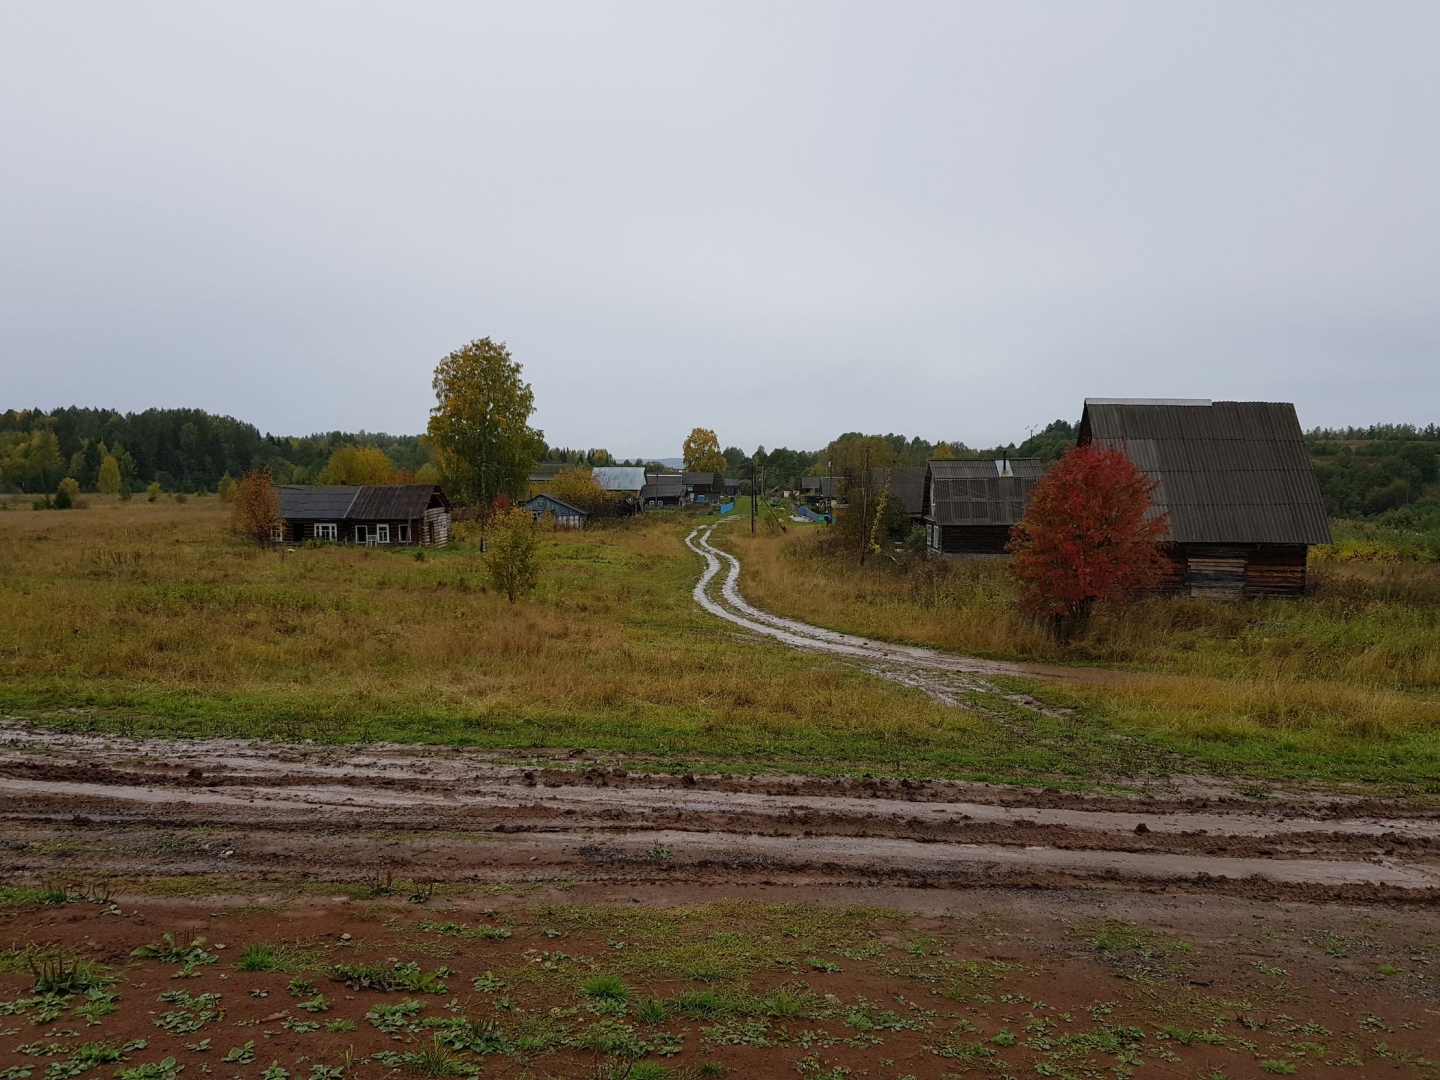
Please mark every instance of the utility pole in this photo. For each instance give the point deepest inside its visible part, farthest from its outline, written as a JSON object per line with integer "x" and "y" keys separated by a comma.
{"x": 752, "y": 496}
{"x": 865, "y": 507}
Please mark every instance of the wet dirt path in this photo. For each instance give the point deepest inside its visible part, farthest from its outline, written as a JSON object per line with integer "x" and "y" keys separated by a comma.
{"x": 154, "y": 807}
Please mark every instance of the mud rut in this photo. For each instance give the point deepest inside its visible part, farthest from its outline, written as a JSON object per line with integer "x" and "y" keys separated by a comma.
{"x": 253, "y": 815}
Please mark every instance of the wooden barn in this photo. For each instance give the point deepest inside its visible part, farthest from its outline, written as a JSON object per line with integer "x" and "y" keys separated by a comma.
{"x": 969, "y": 507}
{"x": 368, "y": 514}
{"x": 1236, "y": 479}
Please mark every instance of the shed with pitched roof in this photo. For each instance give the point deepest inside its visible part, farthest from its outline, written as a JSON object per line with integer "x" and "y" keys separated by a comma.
{"x": 1235, "y": 482}
{"x": 970, "y": 506}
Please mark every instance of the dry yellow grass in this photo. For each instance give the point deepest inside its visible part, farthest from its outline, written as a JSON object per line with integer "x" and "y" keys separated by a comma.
{"x": 151, "y": 615}
{"x": 1366, "y": 626}
{"x": 153, "y": 611}
{"x": 1348, "y": 675}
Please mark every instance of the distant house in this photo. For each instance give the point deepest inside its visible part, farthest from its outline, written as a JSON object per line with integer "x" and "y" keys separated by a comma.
{"x": 816, "y": 490}
{"x": 625, "y": 479}
{"x": 906, "y": 486}
{"x": 1236, "y": 479}
{"x": 699, "y": 486}
{"x": 732, "y": 487}
{"x": 969, "y": 507}
{"x": 371, "y": 514}
{"x": 546, "y": 471}
{"x": 566, "y": 516}
{"x": 662, "y": 489}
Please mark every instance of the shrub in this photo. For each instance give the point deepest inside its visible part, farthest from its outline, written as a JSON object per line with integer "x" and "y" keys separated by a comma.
{"x": 513, "y": 563}
{"x": 256, "y": 511}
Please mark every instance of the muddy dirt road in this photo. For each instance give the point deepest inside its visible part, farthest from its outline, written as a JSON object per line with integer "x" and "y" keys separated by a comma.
{"x": 149, "y": 808}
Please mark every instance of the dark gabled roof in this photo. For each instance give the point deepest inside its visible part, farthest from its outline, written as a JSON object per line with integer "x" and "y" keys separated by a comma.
{"x": 1229, "y": 472}
{"x": 663, "y": 486}
{"x": 906, "y": 485}
{"x": 983, "y": 468}
{"x": 545, "y": 501}
{"x": 694, "y": 478}
{"x": 546, "y": 471}
{"x": 318, "y": 503}
{"x": 974, "y": 498}
{"x": 824, "y": 485}
{"x": 396, "y": 502}
{"x": 351, "y": 502}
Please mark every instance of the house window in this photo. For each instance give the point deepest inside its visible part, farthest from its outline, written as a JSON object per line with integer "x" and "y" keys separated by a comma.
{"x": 402, "y": 533}
{"x": 382, "y": 534}
{"x": 325, "y": 531}
{"x": 362, "y": 534}
{"x": 277, "y": 534}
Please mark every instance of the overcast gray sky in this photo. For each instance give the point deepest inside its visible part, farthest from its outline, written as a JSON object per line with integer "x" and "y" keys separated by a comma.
{"x": 779, "y": 220}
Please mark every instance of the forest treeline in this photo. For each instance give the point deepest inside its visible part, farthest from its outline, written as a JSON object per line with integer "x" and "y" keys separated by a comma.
{"x": 1362, "y": 472}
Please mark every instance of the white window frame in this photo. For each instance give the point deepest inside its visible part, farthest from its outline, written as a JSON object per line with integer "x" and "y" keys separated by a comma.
{"x": 402, "y": 533}
{"x": 325, "y": 530}
{"x": 277, "y": 534}
{"x": 382, "y": 534}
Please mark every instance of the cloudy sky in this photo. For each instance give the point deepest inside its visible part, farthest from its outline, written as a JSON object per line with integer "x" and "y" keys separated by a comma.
{"x": 779, "y": 220}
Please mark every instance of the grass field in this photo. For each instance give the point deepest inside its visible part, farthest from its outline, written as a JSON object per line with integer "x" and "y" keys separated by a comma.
{"x": 1345, "y": 681}
{"x": 151, "y": 617}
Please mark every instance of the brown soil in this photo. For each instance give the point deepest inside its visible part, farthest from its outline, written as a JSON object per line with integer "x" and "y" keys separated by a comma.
{"x": 1089, "y": 984}
{"x": 1057, "y": 917}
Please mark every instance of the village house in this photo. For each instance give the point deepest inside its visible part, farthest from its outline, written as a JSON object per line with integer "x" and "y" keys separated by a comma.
{"x": 969, "y": 507}
{"x": 566, "y": 515}
{"x": 371, "y": 514}
{"x": 662, "y": 489}
{"x": 1236, "y": 482}
{"x": 817, "y": 491}
{"x": 699, "y": 486}
{"x": 544, "y": 472}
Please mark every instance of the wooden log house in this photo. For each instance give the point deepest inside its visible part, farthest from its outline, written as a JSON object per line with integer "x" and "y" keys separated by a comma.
{"x": 371, "y": 514}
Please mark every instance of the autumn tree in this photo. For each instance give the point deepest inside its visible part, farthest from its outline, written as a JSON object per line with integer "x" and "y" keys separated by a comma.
{"x": 256, "y": 511}
{"x": 1086, "y": 537}
{"x": 479, "y": 429}
{"x": 513, "y": 561}
{"x": 357, "y": 465}
{"x": 107, "y": 482}
{"x": 702, "y": 452}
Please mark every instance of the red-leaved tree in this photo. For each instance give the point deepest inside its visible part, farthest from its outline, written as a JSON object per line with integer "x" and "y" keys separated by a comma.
{"x": 1085, "y": 538}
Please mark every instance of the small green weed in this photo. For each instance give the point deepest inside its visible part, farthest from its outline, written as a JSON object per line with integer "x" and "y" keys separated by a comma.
{"x": 189, "y": 957}
{"x": 650, "y": 1011}
{"x": 406, "y": 977}
{"x": 605, "y": 988}
{"x": 166, "y": 1069}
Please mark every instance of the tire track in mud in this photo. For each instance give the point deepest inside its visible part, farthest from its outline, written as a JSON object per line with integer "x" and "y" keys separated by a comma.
{"x": 141, "y": 808}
